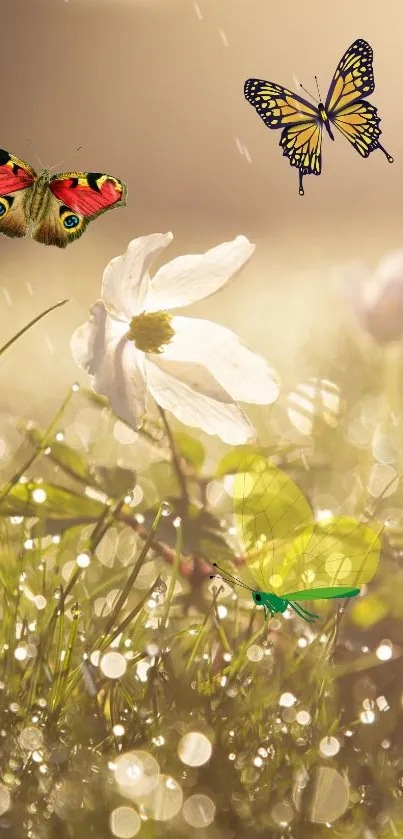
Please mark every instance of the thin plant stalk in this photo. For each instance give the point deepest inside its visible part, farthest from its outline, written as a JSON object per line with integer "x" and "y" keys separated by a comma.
{"x": 174, "y": 575}
{"x": 175, "y": 459}
{"x": 129, "y": 584}
{"x": 39, "y": 449}
{"x": 29, "y": 325}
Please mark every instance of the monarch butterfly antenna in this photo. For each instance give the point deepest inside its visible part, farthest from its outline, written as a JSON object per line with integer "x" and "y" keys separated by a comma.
{"x": 309, "y": 94}
{"x": 317, "y": 88}
{"x": 231, "y": 576}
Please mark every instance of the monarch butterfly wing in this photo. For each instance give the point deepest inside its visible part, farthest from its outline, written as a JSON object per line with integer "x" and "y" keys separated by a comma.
{"x": 302, "y": 144}
{"x": 301, "y": 138}
{"x": 278, "y": 106}
{"x": 359, "y": 124}
{"x": 269, "y": 510}
{"x": 341, "y": 553}
{"x": 353, "y": 79}
{"x": 352, "y": 82}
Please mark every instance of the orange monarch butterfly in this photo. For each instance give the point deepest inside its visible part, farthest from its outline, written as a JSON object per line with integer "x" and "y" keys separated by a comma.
{"x": 301, "y": 138}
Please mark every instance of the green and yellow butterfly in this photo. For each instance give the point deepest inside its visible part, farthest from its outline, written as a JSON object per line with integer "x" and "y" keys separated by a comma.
{"x": 301, "y": 138}
{"x": 291, "y": 556}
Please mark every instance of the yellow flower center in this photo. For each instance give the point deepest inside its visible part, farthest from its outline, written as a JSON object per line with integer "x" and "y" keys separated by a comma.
{"x": 151, "y": 331}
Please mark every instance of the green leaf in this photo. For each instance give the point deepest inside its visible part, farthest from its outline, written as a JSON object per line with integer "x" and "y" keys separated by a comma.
{"x": 368, "y": 611}
{"x": 67, "y": 458}
{"x": 233, "y": 460}
{"x": 212, "y": 546}
{"x": 190, "y": 449}
{"x": 203, "y": 536}
{"x": 59, "y": 503}
{"x": 114, "y": 481}
{"x": 157, "y": 481}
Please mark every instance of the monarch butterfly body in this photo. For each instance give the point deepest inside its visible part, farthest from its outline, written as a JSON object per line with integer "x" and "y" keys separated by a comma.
{"x": 292, "y": 557}
{"x": 325, "y": 119}
{"x": 302, "y": 122}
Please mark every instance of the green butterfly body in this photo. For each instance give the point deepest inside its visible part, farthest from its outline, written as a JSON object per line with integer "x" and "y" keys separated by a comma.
{"x": 273, "y": 604}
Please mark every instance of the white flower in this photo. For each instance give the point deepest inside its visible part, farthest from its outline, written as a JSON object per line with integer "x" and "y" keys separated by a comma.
{"x": 378, "y": 299}
{"x": 191, "y": 367}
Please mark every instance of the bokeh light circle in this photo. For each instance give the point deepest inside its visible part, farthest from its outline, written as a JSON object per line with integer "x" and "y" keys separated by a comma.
{"x": 198, "y": 811}
{"x": 124, "y": 822}
{"x": 194, "y": 749}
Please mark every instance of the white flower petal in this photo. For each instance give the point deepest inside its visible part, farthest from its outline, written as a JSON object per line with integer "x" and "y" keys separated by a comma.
{"x": 389, "y": 268}
{"x": 126, "y": 279}
{"x": 193, "y": 407}
{"x": 101, "y": 347}
{"x": 244, "y": 374}
{"x": 189, "y": 278}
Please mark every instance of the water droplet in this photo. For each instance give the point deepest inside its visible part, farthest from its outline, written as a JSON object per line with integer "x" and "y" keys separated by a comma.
{"x": 118, "y": 730}
{"x": 83, "y": 560}
{"x": 20, "y": 653}
{"x": 39, "y": 495}
{"x": 254, "y": 652}
{"x": 166, "y": 508}
{"x": 385, "y": 650}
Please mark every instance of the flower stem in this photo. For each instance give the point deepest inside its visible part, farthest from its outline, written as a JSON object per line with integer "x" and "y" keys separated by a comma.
{"x": 31, "y": 323}
{"x": 175, "y": 459}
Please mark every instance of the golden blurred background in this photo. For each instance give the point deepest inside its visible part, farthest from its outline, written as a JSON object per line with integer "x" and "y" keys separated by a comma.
{"x": 152, "y": 91}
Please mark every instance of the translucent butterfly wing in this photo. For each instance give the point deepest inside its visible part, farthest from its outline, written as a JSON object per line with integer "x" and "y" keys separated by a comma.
{"x": 339, "y": 553}
{"x": 278, "y": 107}
{"x": 269, "y": 511}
